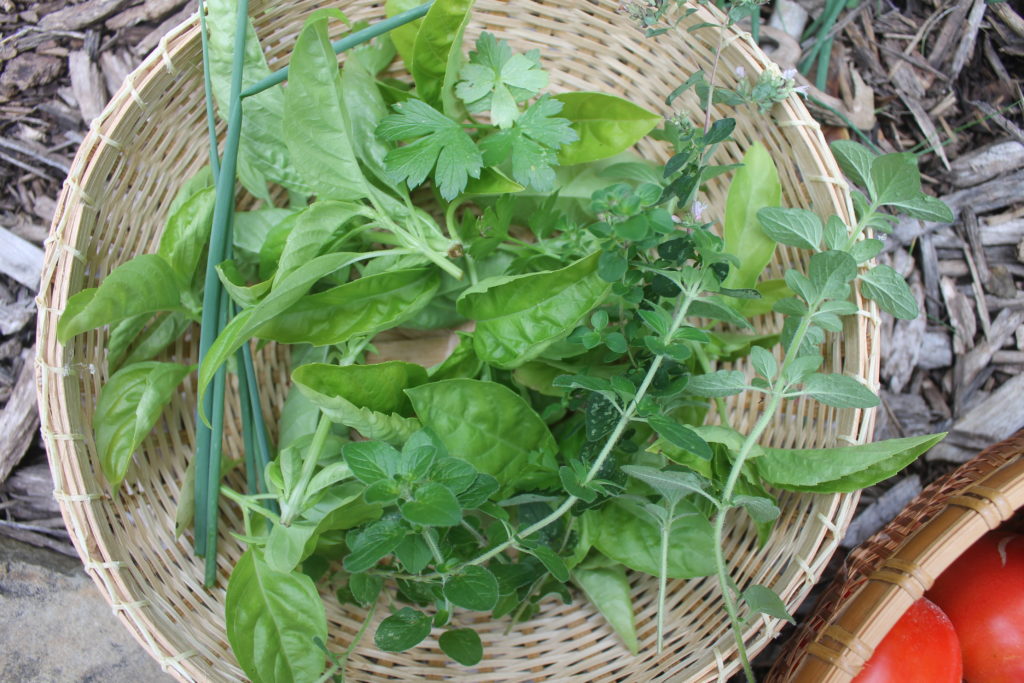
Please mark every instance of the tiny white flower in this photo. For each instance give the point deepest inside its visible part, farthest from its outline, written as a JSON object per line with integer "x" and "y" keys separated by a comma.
{"x": 698, "y": 209}
{"x": 789, "y": 74}
{"x": 741, "y": 72}
{"x": 802, "y": 89}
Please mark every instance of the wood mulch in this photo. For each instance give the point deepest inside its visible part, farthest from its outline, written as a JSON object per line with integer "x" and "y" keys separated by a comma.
{"x": 940, "y": 78}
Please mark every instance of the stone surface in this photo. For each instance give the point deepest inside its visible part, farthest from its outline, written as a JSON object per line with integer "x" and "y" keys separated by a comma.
{"x": 56, "y": 628}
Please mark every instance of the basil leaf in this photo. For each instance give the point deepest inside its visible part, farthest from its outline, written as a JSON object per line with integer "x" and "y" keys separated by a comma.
{"x": 437, "y": 53}
{"x": 312, "y": 228}
{"x": 362, "y": 307}
{"x": 287, "y": 546}
{"x": 607, "y": 589}
{"x": 364, "y": 105}
{"x": 492, "y": 428}
{"x": 272, "y": 619}
{"x": 404, "y": 629}
{"x": 404, "y": 37}
{"x": 262, "y": 155}
{"x": 317, "y": 134}
{"x": 432, "y": 505}
{"x": 890, "y": 291}
{"x": 129, "y": 404}
{"x": 475, "y": 588}
{"x": 606, "y": 125}
{"x": 839, "y": 391}
{"x": 187, "y": 233}
{"x": 161, "y": 333}
{"x": 463, "y": 645}
{"x": 245, "y": 324}
{"x": 754, "y": 187}
{"x": 145, "y": 284}
{"x": 842, "y": 469}
{"x": 519, "y": 317}
{"x": 380, "y": 386}
{"x": 629, "y": 535}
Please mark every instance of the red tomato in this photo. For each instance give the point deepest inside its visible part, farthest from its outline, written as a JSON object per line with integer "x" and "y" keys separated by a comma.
{"x": 921, "y": 648}
{"x": 983, "y": 594}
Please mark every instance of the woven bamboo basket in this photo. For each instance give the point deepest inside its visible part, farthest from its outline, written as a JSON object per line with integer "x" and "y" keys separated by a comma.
{"x": 892, "y": 569}
{"x": 114, "y": 204}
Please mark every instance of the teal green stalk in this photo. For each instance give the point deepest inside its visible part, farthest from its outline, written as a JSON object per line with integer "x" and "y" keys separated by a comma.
{"x": 209, "y": 461}
{"x": 347, "y": 43}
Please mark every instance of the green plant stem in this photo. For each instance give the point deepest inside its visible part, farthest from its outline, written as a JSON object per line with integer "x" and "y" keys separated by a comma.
{"x": 346, "y": 43}
{"x": 689, "y": 296}
{"x": 246, "y": 503}
{"x": 291, "y": 506}
{"x": 666, "y": 532}
{"x": 775, "y": 399}
{"x": 343, "y": 660}
{"x": 434, "y": 550}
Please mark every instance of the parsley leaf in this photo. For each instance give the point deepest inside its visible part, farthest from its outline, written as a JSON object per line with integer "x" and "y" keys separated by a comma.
{"x": 497, "y": 80}
{"x": 444, "y": 148}
{"x": 532, "y": 144}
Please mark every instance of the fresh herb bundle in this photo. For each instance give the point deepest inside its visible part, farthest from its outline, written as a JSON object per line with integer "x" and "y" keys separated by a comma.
{"x": 564, "y": 441}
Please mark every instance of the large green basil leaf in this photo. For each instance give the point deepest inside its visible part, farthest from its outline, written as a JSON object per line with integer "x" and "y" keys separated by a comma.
{"x": 842, "y": 469}
{"x": 608, "y": 590}
{"x": 273, "y": 619}
{"x": 312, "y": 229}
{"x": 146, "y": 284}
{"x": 404, "y": 37}
{"x": 364, "y": 105}
{"x": 242, "y": 293}
{"x": 628, "y": 534}
{"x": 250, "y": 229}
{"x": 361, "y": 307}
{"x": 262, "y": 155}
{"x": 437, "y": 53}
{"x": 287, "y": 546}
{"x": 160, "y": 334}
{"x": 492, "y": 428}
{"x": 521, "y": 316}
{"x": 130, "y": 403}
{"x": 606, "y": 125}
{"x": 380, "y": 386}
{"x": 187, "y": 233}
{"x": 317, "y": 134}
{"x": 755, "y": 186}
{"x": 243, "y": 326}
{"x": 367, "y": 398}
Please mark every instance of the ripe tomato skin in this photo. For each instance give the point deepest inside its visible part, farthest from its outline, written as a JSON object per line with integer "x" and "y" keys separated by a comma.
{"x": 920, "y": 648}
{"x": 984, "y": 598}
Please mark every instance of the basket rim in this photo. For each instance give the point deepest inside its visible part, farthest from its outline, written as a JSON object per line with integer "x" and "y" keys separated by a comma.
{"x": 946, "y": 522}
{"x": 81, "y": 507}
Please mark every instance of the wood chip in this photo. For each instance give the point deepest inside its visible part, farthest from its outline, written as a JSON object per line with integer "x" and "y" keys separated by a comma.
{"x": 19, "y": 421}
{"x": 789, "y": 17}
{"x": 87, "y": 85}
{"x": 994, "y": 419}
{"x": 20, "y": 260}
{"x": 986, "y": 163}
{"x": 968, "y": 36}
{"x": 15, "y": 315}
{"x": 151, "y": 10}
{"x": 116, "y": 66}
{"x": 28, "y": 70}
{"x": 961, "y": 315}
{"x": 969, "y": 365}
{"x": 75, "y": 17}
{"x": 882, "y": 511}
{"x": 936, "y": 350}
{"x": 905, "y": 345}
{"x": 150, "y": 41}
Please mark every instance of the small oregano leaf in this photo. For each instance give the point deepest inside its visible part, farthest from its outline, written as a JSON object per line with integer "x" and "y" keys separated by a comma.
{"x": 463, "y": 645}
{"x": 717, "y": 384}
{"x": 475, "y": 588}
{"x": 793, "y": 227}
{"x": 433, "y": 505}
{"x": 404, "y": 629}
{"x": 681, "y": 435}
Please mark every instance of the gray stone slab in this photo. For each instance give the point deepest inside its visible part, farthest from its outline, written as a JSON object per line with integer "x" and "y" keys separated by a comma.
{"x": 55, "y": 627}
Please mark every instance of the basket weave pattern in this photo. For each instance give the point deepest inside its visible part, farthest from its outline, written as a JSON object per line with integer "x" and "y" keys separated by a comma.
{"x": 883, "y": 576}
{"x": 152, "y": 136}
